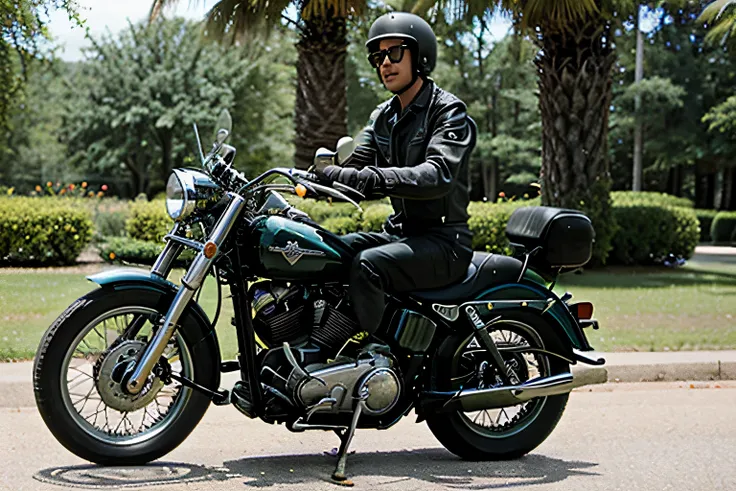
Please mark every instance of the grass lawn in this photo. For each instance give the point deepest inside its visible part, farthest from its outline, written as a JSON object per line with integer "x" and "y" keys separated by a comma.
{"x": 639, "y": 309}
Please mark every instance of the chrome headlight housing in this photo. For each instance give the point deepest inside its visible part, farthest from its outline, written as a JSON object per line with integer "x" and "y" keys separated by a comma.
{"x": 188, "y": 190}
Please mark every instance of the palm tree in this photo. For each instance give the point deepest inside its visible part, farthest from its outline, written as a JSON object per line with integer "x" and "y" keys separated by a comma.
{"x": 321, "y": 99}
{"x": 574, "y": 67}
{"x": 721, "y": 14}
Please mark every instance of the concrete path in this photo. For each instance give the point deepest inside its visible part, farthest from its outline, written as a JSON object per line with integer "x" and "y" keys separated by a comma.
{"x": 627, "y": 437}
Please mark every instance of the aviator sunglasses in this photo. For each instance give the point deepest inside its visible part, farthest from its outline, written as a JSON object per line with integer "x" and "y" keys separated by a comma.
{"x": 394, "y": 53}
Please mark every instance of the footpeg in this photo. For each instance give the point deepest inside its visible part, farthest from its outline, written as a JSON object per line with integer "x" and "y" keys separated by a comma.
{"x": 240, "y": 398}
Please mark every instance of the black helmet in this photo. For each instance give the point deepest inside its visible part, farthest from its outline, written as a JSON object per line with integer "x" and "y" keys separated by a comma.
{"x": 412, "y": 28}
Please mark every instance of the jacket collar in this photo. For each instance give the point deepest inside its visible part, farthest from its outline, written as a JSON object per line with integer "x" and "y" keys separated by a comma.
{"x": 419, "y": 102}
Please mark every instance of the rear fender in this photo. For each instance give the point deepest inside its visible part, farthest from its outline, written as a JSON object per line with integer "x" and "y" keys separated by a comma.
{"x": 131, "y": 278}
{"x": 531, "y": 295}
{"x": 527, "y": 294}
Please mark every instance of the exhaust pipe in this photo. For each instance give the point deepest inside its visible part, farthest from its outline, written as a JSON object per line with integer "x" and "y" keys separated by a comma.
{"x": 498, "y": 397}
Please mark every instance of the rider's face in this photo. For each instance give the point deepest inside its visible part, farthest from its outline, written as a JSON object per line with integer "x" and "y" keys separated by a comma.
{"x": 395, "y": 75}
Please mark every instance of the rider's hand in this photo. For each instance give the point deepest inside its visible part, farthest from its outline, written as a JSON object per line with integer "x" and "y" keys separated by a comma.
{"x": 365, "y": 180}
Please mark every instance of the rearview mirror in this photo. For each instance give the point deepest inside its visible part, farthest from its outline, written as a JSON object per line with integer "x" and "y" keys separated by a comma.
{"x": 345, "y": 147}
{"x": 223, "y": 126}
{"x": 322, "y": 158}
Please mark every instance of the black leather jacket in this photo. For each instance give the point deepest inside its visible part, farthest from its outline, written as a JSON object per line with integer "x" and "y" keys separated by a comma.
{"x": 421, "y": 155}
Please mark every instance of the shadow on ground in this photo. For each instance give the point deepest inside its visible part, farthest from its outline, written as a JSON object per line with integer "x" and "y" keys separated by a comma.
{"x": 433, "y": 466}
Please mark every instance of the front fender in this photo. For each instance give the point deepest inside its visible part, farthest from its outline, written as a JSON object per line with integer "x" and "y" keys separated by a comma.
{"x": 122, "y": 278}
{"x": 131, "y": 278}
{"x": 545, "y": 302}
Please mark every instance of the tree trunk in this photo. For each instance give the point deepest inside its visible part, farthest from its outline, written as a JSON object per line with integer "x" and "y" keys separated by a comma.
{"x": 674, "y": 180}
{"x": 575, "y": 95}
{"x": 321, "y": 96}
{"x": 728, "y": 195}
{"x": 639, "y": 74}
{"x": 710, "y": 190}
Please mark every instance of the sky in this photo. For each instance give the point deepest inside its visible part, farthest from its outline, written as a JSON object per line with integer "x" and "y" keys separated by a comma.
{"x": 114, "y": 14}
{"x": 110, "y": 14}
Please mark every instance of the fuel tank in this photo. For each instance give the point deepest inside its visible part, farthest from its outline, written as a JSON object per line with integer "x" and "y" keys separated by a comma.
{"x": 285, "y": 249}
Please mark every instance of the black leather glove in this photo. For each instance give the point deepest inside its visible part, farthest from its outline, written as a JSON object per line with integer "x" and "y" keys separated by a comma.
{"x": 366, "y": 180}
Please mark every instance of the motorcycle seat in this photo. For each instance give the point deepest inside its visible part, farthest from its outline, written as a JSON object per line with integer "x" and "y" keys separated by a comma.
{"x": 485, "y": 271}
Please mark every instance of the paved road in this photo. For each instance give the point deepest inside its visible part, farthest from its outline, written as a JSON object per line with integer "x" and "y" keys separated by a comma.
{"x": 657, "y": 436}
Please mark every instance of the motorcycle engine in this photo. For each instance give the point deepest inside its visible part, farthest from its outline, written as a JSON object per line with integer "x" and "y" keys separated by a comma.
{"x": 330, "y": 382}
{"x": 296, "y": 315}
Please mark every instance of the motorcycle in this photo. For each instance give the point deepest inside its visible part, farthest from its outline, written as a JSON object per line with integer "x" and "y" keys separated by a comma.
{"x": 127, "y": 371}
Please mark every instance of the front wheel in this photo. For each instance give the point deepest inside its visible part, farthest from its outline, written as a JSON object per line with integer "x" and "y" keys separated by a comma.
{"x": 77, "y": 378}
{"x": 510, "y": 432}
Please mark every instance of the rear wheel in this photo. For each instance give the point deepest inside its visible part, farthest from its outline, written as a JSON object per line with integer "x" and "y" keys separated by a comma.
{"x": 78, "y": 372}
{"x": 510, "y": 432}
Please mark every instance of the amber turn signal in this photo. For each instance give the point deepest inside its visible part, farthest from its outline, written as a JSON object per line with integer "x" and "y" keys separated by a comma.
{"x": 210, "y": 249}
{"x": 301, "y": 191}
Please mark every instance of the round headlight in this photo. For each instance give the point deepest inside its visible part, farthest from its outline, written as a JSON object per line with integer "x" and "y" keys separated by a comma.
{"x": 180, "y": 195}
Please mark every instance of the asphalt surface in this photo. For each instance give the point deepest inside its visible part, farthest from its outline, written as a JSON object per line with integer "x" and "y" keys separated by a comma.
{"x": 648, "y": 436}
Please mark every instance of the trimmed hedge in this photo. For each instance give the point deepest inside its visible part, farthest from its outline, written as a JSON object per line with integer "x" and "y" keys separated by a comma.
{"x": 127, "y": 250}
{"x": 625, "y": 198}
{"x": 148, "y": 221}
{"x": 723, "y": 228}
{"x": 487, "y": 223}
{"x": 43, "y": 231}
{"x": 705, "y": 217}
{"x": 648, "y": 233}
{"x": 652, "y": 224}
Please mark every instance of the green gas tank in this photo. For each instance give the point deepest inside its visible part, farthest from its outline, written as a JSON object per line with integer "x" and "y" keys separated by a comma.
{"x": 286, "y": 249}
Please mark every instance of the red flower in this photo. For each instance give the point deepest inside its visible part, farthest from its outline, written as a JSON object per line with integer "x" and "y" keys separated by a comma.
{"x": 502, "y": 194}
{"x": 104, "y": 187}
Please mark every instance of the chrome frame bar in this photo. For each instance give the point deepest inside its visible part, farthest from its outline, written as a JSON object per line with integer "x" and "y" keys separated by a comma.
{"x": 190, "y": 283}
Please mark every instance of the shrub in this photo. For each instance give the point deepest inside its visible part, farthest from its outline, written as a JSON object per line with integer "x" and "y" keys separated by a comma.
{"x": 148, "y": 221}
{"x": 487, "y": 223}
{"x": 626, "y": 198}
{"x": 341, "y": 225}
{"x": 44, "y": 231}
{"x": 649, "y": 233}
{"x": 109, "y": 217}
{"x": 705, "y": 217}
{"x": 127, "y": 250}
{"x": 374, "y": 216}
{"x": 723, "y": 227}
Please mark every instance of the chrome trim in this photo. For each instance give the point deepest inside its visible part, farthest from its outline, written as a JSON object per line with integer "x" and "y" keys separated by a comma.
{"x": 163, "y": 263}
{"x": 447, "y": 312}
{"x": 192, "y": 244}
{"x": 190, "y": 283}
{"x": 479, "y": 399}
{"x": 589, "y": 357}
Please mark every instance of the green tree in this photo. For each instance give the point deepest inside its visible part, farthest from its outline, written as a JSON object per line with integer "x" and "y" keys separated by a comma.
{"x": 133, "y": 102}
{"x": 574, "y": 78}
{"x": 497, "y": 82}
{"x": 721, "y": 15}
{"x": 321, "y": 108}
{"x": 22, "y": 32}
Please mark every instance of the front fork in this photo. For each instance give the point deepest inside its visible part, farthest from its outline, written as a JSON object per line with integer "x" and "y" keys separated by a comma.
{"x": 136, "y": 375}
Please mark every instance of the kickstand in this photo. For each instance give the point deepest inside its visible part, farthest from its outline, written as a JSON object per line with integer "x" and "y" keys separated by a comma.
{"x": 346, "y": 437}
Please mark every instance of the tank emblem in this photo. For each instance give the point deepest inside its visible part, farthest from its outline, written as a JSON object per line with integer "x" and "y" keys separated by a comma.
{"x": 292, "y": 252}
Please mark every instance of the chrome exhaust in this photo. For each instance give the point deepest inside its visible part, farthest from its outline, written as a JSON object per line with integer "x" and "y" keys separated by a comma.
{"x": 497, "y": 397}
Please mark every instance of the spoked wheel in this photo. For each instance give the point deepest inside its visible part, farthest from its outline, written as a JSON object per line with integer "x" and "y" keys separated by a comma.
{"x": 509, "y": 432}
{"x": 79, "y": 375}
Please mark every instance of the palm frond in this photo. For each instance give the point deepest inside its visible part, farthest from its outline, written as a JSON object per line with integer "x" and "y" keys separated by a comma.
{"x": 231, "y": 21}
{"x": 721, "y": 15}
{"x": 332, "y": 8}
